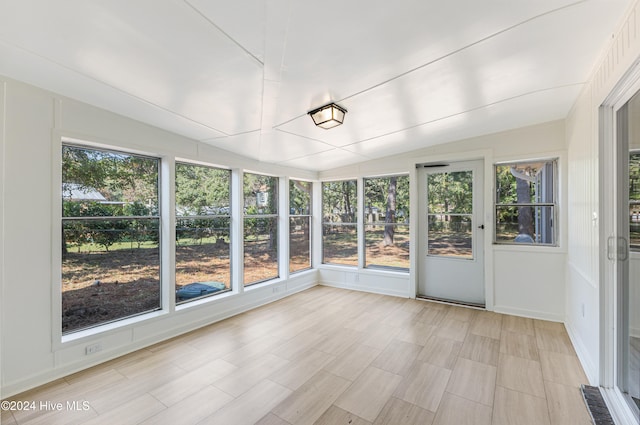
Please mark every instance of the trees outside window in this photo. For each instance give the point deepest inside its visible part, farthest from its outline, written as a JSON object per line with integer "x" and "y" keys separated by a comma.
{"x": 260, "y": 228}
{"x": 386, "y": 221}
{"x": 299, "y": 225}
{"x": 634, "y": 200}
{"x": 449, "y": 216}
{"x": 339, "y": 222}
{"x": 110, "y": 236}
{"x": 203, "y": 231}
{"x": 526, "y": 202}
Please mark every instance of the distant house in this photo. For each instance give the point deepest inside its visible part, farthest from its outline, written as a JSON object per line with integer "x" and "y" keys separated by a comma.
{"x": 77, "y": 193}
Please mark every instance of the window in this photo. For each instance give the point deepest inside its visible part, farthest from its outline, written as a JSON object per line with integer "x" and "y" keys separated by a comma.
{"x": 260, "y": 228}
{"x": 634, "y": 200}
{"x": 203, "y": 229}
{"x": 386, "y": 222}
{"x": 450, "y": 214}
{"x": 339, "y": 230}
{"x": 110, "y": 236}
{"x": 526, "y": 202}
{"x": 299, "y": 225}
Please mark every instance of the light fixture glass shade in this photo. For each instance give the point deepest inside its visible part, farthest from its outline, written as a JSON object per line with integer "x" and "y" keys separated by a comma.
{"x": 328, "y": 116}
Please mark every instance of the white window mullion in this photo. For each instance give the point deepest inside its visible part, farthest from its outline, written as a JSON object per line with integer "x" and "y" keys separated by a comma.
{"x": 316, "y": 225}
{"x": 168, "y": 233}
{"x": 360, "y": 222}
{"x": 283, "y": 228}
{"x": 237, "y": 231}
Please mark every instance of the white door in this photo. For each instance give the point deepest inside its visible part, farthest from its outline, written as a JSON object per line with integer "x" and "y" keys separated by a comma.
{"x": 451, "y": 231}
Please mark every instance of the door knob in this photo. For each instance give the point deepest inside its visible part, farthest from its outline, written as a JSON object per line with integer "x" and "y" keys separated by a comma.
{"x": 481, "y": 227}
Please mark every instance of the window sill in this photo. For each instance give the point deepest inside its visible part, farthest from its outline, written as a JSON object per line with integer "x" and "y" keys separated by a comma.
{"x": 385, "y": 271}
{"x": 367, "y": 270}
{"x": 110, "y": 327}
{"x": 342, "y": 267}
{"x": 212, "y": 299}
{"x": 265, "y": 284}
{"x": 528, "y": 248}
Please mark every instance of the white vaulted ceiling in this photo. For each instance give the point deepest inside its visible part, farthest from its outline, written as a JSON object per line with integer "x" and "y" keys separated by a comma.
{"x": 242, "y": 74}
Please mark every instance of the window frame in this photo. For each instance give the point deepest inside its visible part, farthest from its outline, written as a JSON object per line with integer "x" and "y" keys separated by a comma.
{"x": 177, "y": 163}
{"x": 309, "y": 217}
{"x": 354, "y": 224}
{"x": 554, "y": 205}
{"x": 364, "y": 221}
{"x": 59, "y": 205}
{"x": 272, "y": 216}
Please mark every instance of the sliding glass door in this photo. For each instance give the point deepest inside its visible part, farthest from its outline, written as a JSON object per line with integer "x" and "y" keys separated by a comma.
{"x": 624, "y": 249}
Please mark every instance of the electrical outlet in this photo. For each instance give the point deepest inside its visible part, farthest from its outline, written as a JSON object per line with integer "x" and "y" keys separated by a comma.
{"x": 93, "y": 348}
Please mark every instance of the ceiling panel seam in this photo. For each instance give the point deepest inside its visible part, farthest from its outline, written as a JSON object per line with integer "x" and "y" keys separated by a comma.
{"x": 233, "y": 40}
{"x": 306, "y": 137}
{"x": 466, "y": 111}
{"x": 447, "y": 55}
{"x": 365, "y": 157}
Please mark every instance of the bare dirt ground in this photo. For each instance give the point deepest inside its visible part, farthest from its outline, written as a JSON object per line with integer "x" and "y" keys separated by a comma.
{"x": 129, "y": 279}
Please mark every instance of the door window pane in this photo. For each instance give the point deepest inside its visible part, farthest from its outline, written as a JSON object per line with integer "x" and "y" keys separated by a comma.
{"x": 450, "y": 207}
{"x": 450, "y": 235}
{"x": 450, "y": 192}
{"x": 628, "y": 269}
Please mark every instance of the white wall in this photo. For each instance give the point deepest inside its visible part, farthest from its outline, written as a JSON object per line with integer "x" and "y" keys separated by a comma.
{"x": 528, "y": 281}
{"x": 583, "y": 271}
{"x": 32, "y": 122}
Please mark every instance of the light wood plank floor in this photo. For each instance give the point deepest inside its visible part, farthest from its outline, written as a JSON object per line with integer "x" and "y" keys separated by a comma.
{"x": 331, "y": 356}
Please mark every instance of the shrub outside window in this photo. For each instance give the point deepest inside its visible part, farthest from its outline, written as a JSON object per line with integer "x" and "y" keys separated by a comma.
{"x": 299, "y": 225}
{"x": 386, "y": 222}
{"x": 110, "y": 236}
{"x": 260, "y": 228}
{"x": 203, "y": 229}
{"x": 526, "y": 203}
{"x": 339, "y": 222}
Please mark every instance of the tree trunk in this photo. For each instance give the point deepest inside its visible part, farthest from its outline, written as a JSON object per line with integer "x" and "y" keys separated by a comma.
{"x": 390, "y": 214}
{"x": 347, "y": 200}
{"x": 525, "y": 218}
{"x": 65, "y": 251}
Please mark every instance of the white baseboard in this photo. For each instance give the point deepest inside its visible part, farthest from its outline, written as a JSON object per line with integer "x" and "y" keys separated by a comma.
{"x": 589, "y": 367}
{"x": 532, "y": 314}
{"x": 364, "y": 288}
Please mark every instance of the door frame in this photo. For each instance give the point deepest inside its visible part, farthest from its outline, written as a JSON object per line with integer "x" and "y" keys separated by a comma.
{"x": 627, "y": 86}
{"x": 443, "y": 265}
{"x": 486, "y": 156}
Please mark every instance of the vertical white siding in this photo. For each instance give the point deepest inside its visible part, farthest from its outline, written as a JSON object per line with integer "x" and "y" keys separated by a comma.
{"x": 583, "y": 286}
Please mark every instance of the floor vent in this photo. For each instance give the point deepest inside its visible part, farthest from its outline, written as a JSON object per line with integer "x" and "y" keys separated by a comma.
{"x": 597, "y": 407}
